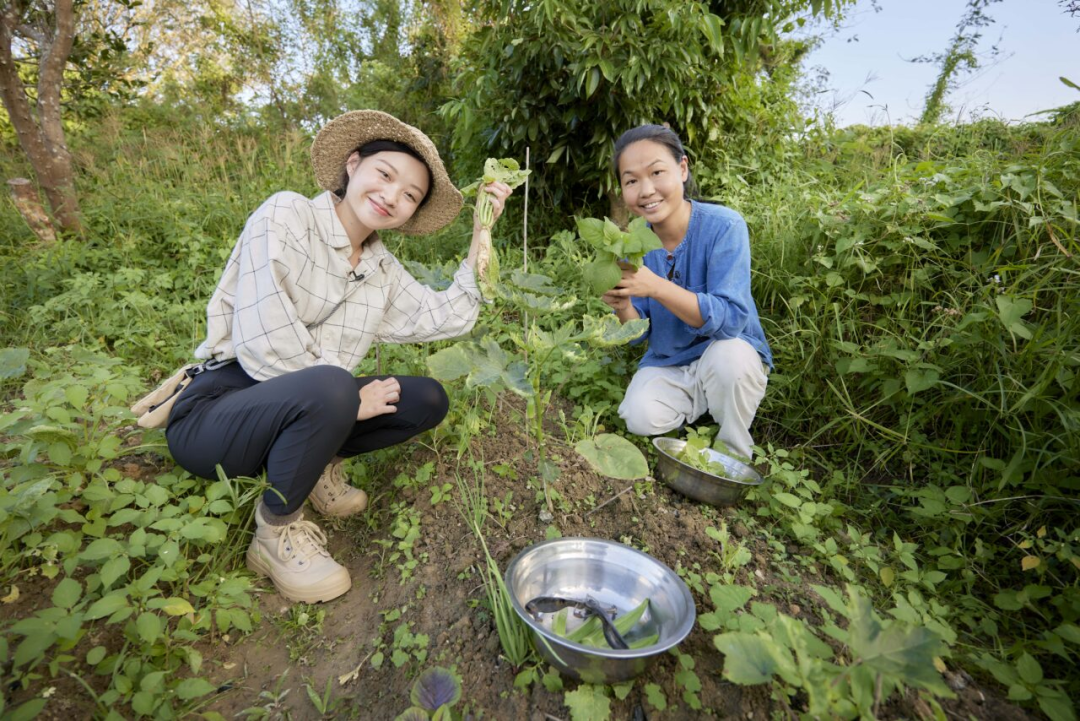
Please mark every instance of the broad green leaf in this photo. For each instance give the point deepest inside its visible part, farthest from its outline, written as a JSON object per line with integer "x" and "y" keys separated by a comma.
{"x": 67, "y": 593}
{"x": 655, "y": 696}
{"x": 608, "y": 332}
{"x": 449, "y": 364}
{"x": 113, "y": 569}
{"x": 13, "y": 362}
{"x": 788, "y": 499}
{"x": 101, "y": 548}
{"x": 748, "y": 659}
{"x": 1068, "y": 631}
{"x": 194, "y": 688}
{"x": 77, "y": 395}
{"x": 920, "y": 379}
{"x": 174, "y": 606}
{"x": 28, "y": 710}
{"x": 153, "y": 682}
{"x": 60, "y": 453}
{"x": 614, "y": 456}
{"x": 588, "y": 703}
{"x": 713, "y": 27}
{"x": 536, "y": 304}
{"x": 592, "y": 82}
{"x": 534, "y": 283}
{"x": 1011, "y": 312}
{"x": 904, "y": 653}
{"x": 107, "y": 605}
{"x": 1030, "y": 669}
{"x": 516, "y": 379}
{"x": 591, "y": 231}
{"x": 95, "y": 655}
{"x": 602, "y": 274}
{"x": 1056, "y": 706}
{"x": 149, "y": 625}
{"x": 728, "y": 598}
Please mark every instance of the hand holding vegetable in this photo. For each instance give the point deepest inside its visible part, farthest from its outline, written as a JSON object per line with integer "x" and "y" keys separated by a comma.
{"x": 500, "y": 177}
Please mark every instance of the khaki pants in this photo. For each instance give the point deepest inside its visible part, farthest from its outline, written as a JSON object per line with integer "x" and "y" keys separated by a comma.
{"x": 728, "y": 381}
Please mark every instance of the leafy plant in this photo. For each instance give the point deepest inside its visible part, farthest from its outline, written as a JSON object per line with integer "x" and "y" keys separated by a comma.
{"x": 508, "y": 171}
{"x": 885, "y": 655}
{"x": 614, "y": 246}
{"x": 434, "y": 695}
{"x": 485, "y": 364}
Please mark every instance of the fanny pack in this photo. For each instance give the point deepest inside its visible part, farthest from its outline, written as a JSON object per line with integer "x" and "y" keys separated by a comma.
{"x": 153, "y": 408}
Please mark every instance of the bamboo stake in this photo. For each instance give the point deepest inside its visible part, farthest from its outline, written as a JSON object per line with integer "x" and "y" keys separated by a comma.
{"x": 525, "y": 252}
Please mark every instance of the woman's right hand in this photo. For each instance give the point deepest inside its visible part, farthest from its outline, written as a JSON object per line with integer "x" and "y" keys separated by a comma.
{"x": 377, "y": 398}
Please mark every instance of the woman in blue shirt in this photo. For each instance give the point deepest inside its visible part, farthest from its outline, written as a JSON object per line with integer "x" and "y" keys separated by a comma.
{"x": 707, "y": 351}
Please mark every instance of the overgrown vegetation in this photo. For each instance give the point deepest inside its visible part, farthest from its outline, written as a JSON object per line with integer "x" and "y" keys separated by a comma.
{"x": 920, "y": 434}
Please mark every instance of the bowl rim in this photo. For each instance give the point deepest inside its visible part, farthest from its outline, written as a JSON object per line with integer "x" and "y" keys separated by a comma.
{"x": 680, "y": 634}
{"x": 661, "y": 441}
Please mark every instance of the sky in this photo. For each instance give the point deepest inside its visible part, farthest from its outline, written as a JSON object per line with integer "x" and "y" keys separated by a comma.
{"x": 866, "y": 57}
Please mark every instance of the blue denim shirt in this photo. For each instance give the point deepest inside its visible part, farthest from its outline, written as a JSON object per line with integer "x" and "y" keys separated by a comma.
{"x": 713, "y": 260}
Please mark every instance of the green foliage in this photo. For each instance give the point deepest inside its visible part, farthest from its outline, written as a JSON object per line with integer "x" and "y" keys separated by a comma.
{"x": 885, "y": 656}
{"x": 588, "y": 703}
{"x": 595, "y": 69}
{"x": 136, "y": 555}
{"x": 614, "y": 456}
{"x": 613, "y": 245}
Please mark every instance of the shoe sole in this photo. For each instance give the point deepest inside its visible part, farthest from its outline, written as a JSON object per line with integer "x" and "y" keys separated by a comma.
{"x": 332, "y": 514}
{"x": 297, "y": 594}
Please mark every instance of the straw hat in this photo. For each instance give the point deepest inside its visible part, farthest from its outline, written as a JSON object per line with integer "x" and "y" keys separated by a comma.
{"x": 345, "y": 133}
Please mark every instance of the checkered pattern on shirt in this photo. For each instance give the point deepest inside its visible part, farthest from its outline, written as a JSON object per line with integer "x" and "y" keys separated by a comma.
{"x": 287, "y": 300}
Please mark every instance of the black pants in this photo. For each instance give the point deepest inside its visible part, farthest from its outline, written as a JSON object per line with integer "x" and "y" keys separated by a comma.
{"x": 290, "y": 426}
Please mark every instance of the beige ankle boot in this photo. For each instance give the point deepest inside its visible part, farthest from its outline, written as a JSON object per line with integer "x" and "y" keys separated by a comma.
{"x": 296, "y": 560}
{"x": 333, "y": 496}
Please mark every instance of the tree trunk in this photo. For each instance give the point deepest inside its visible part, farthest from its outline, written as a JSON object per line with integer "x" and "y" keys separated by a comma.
{"x": 42, "y": 138}
{"x": 33, "y": 212}
{"x": 619, "y": 213}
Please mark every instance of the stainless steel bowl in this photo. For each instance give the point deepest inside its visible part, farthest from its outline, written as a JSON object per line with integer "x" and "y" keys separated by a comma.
{"x": 614, "y": 575}
{"x": 700, "y": 485}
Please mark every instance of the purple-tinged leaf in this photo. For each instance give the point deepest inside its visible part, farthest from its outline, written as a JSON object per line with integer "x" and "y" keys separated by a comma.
{"x": 436, "y": 687}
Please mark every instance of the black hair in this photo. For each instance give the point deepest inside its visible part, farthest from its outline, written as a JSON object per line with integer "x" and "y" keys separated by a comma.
{"x": 381, "y": 146}
{"x": 658, "y": 134}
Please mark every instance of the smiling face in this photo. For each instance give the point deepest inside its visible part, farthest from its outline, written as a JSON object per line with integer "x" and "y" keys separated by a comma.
{"x": 384, "y": 191}
{"x": 652, "y": 181}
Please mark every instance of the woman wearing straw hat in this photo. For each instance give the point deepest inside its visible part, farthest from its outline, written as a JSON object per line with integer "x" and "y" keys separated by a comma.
{"x": 308, "y": 288}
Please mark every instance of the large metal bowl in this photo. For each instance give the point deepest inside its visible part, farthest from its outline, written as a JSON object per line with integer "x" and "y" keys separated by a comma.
{"x": 614, "y": 575}
{"x": 700, "y": 485}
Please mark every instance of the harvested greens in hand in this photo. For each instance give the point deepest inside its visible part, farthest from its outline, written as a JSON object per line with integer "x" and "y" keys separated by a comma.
{"x": 601, "y": 629}
{"x": 613, "y": 245}
{"x": 506, "y": 171}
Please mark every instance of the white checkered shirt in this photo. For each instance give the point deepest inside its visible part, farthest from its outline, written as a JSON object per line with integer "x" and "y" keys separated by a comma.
{"x": 287, "y": 299}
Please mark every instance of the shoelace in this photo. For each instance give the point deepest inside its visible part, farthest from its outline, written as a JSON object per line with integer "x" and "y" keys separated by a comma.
{"x": 302, "y": 537}
{"x": 336, "y": 479}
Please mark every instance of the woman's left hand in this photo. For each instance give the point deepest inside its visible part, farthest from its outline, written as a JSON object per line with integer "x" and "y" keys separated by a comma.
{"x": 499, "y": 192}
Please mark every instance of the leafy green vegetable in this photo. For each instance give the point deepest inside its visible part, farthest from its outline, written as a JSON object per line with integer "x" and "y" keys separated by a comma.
{"x": 591, "y": 633}
{"x": 506, "y": 171}
{"x": 613, "y": 245}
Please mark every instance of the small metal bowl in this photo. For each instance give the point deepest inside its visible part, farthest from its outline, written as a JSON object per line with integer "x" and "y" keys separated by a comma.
{"x": 615, "y": 575}
{"x": 700, "y": 485}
